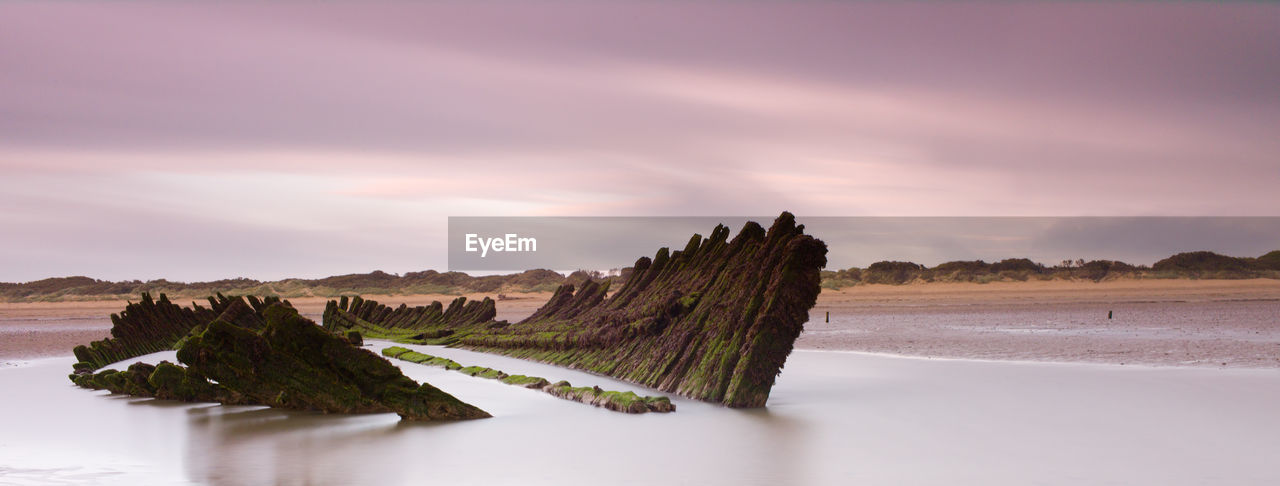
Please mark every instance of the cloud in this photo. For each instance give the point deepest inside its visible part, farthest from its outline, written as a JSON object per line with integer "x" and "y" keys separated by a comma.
{"x": 317, "y": 122}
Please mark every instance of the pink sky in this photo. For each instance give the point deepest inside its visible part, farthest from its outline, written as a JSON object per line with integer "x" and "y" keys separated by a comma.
{"x": 193, "y": 142}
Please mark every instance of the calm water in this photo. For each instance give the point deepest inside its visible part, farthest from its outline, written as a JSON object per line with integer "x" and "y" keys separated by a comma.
{"x": 833, "y": 418}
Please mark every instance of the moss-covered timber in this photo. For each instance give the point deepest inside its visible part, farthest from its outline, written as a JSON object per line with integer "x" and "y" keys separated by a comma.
{"x": 173, "y": 382}
{"x": 420, "y": 323}
{"x": 416, "y": 357}
{"x": 293, "y": 363}
{"x": 532, "y": 382}
{"x": 131, "y": 381}
{"x": 264, "y": 352}
{"x": 165, "y": 381}
{"x": 714, "y": 321}
{"x": 150, "y": 326}
{"x": 627, "y": 402}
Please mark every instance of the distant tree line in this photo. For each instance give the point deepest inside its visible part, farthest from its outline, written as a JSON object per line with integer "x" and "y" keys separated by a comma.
{"x": 376, "y": 282}
{"x": 1199, "y": 264}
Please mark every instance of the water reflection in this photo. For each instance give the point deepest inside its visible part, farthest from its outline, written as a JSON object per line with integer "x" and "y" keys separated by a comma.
{"x": 249, "y": 445}
{"x": 784, "y": 460}
{"x": 537, "y": 440}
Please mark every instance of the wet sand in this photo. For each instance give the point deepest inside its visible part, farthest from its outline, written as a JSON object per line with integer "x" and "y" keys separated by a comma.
{"x": 41, "y": 329}
{"x": 1233, "y": 323}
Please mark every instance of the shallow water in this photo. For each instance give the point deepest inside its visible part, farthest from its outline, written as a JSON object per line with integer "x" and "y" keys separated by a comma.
{"x": 833, "y": 418}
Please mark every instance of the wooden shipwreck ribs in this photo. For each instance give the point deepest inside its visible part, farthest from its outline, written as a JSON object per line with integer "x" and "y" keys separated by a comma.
{"x": 714, "y": 321}
{"x": 256, "y": 352}
{"x": 149, "y": 326}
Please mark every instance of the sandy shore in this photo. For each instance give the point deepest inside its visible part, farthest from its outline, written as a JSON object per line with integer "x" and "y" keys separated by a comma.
{"x": 1233, "y": 323}
{"x": 1052, "y": 291}
{"x": 33, "y": 330}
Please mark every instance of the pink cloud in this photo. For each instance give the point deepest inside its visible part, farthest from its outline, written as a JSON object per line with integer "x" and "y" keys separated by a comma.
{"x": 312, "y": 118}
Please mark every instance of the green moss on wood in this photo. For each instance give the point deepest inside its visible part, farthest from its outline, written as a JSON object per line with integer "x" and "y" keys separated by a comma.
{"x": 354, "y": 337}
{"x": 262, "y": 351}
{"x": 535, "y": 382}
{"x": 149, "y": 326}
{"x": 292, "y": 363}
{"x": 483, "y": 372}
{"x": 627, "y": 402}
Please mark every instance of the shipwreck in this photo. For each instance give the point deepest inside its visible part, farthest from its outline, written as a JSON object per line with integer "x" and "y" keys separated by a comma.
{"x": 714, "y": 321}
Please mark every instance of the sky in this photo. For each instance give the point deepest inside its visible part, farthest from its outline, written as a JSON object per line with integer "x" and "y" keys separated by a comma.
{"x": 196, "y": 141}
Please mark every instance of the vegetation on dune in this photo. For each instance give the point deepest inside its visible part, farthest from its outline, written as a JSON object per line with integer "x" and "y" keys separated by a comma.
{"x": 1192, "y": 265}
{"x": 1270, "y": 261}
{"x": 374, "y": 283}
{"x": 456, "y": 283}
{"x": 1206, "y": 264}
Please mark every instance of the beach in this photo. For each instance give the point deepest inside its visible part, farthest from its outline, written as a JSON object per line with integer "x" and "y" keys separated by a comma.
{"x": 1175, "y": 322}
{"x": 989, "y": 384}
{"x": 640, "y": 243}
{"x": 1218, "y": 323}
